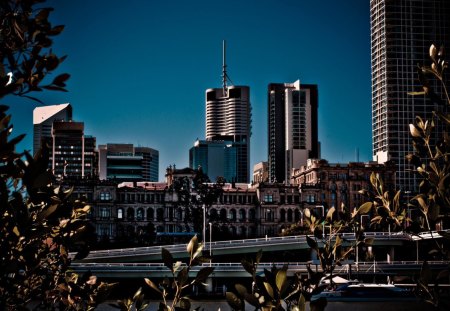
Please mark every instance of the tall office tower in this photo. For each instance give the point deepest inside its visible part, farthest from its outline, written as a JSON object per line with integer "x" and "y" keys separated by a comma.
{"x": 228, "y": 118}
{"x": 43, "y": 118}
{"x": 72, "y": 154}
{"x": 217, "y": 158}
{"x": 293, "y": 129}
{"x": 150, "y": 162}
{"x": 401, "y": 34}
{"x": 124, "y": 162}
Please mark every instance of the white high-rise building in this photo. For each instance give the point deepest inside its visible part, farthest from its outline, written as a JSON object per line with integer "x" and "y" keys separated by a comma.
{"x": 228, "y": 118}
{"x": 401, "y": 34}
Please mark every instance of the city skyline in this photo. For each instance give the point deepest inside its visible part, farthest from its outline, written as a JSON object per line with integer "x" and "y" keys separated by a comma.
{"x": 139, "y": 70}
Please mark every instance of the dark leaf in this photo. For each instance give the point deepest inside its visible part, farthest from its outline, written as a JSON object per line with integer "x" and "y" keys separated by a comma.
{"x": 204, "y": 273}
{"x": 311, "y": 243}
{"x": 234, "y": 301}
{"x": 167, "y": 259}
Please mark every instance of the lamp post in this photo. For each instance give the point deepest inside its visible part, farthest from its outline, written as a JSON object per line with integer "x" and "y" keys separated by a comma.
{"x": 204, "y": 224}
{"x": 210, "y": 243}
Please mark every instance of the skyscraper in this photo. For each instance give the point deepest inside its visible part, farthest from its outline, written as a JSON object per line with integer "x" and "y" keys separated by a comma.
{"x": 401, "y": 34}
{"x": 72, "y": 154}
{"x": 228, "y": 118}
{"x": 293, "y": 128}
{"x": 43, "y": 118}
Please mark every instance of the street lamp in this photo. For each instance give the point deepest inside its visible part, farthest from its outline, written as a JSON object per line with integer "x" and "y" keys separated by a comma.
{"x": 210, "y": 243}
{"x": 204, "y": 224}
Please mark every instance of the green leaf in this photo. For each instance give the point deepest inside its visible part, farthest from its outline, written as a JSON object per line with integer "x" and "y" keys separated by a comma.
{"x": 193, "y": 245}
{"x": 417, "y": 93}
{"x": 152, "y": 285}
{"x": 414, "y": 131}
{"x": 234, "y": 301}
{"x": 330, "y": 214}
{"x": 269, "y": 289}
{"x": 301, "y": 303}
{"x": 241, "y": 290}
{"x": 365, "y": 208}
{"x": 281, "y": 279}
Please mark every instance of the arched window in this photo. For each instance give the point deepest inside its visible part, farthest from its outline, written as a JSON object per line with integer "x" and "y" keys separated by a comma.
{"x": 289, "y": 215}
{"x": 223, "y": 214}
{"x": 251, "y": 214}
{"x": 159, "y": 214}
{"x": 282, "y": 215}
{"x": 150, "y": 214}
{"x": 130, "y": 214}
{"x": 140, "y": 214}
{"x": 120, "y": 213}
{"x": 242, "y": 214}
{"x": 233, "y": 214}
{"x": 297, "y": 215}
{"x": 213, "y": 214}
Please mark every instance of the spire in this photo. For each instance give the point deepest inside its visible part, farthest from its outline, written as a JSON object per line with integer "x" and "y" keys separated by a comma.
{"x": 224, "y": 69}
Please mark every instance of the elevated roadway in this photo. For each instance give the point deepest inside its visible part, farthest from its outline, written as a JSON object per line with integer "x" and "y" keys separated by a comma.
{"x": 247, "y": 246}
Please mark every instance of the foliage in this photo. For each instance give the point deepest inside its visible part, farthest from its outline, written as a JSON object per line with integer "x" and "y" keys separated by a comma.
{"x": 432, "y": 163}
{"x": 274, "y": 291}
{"x": 386, "y": 206}
{"x": 173, "y": 290}
{"x": 431, "y": 155}
{"x": 25, "y": 49}
{"x": 197, "y": 194}
{"x": 39, "y": 221}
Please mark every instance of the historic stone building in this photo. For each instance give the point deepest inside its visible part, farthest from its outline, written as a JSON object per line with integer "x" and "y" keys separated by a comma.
{"x": 323, "y": 185}
{"x": 143, "y": 213}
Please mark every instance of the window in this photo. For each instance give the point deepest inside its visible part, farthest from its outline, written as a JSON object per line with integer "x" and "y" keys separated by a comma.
{"x": 105, "y": 196}
{"x": 268, "y": 198}
{"x": 104, "y": 212}
{"x": 120, "y": 213}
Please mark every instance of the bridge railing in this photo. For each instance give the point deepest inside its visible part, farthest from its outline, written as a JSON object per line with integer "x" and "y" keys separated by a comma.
{"x": 243, "y": 242}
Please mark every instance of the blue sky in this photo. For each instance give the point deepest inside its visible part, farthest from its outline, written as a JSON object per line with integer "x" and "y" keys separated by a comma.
{"x": 139, "y": 69}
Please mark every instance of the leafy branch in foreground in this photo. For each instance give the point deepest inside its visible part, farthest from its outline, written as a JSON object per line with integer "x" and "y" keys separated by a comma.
{"x": 173, "y": 289}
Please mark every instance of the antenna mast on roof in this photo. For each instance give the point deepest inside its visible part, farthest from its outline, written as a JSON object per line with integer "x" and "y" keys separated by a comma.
{"x": 224, "y": 69}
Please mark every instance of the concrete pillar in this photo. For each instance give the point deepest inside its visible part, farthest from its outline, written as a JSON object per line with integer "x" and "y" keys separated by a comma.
{"x": 390, "y": 254}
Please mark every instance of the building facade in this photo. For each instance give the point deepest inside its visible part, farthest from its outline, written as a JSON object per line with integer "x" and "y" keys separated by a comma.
{"x": 72, "y": 153}
{"x": 124, "y": 162}
{"x": 323, "y": 185}
{"x": 43, "y": 118}
{"x": 217, "y": 158}
{"x": 260, "y": 172}
{"x": 144, "y": 212}
{"x": 292, "y": 128}
{"x": 401, "y": 35}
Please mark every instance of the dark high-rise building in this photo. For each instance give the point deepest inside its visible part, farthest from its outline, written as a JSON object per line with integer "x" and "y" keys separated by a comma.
{"x": 293, "y": 128}
{"x": 72, "y": 154}
{"x": 228, "y": 118}
{"x": 401, "y": 34}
